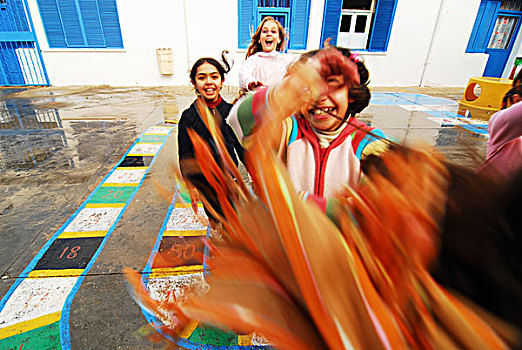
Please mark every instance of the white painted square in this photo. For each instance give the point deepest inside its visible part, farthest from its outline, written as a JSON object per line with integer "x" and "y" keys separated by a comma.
{"x": 145, "y": 148}
{"x": 36, "y": 297}
{"x": 446, "y": 121}
{"x": 169, "y": 287}
{"x": 423, "y": 108}
{"x": 449, "y": 108}
{"x": 93, "y": 219}
{"x": 164, "y": 130}
{"x": 185, "y": 219}
{"x": 475, "y": 122}
{"x": 126, "y": 176}
{"x": 174, "y": 288}
{"x": 413, "y": 108}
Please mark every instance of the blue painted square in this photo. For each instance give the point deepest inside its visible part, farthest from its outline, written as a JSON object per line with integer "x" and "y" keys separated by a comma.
{"x": 420, "y": 99}
{"x": 481, "y": 129}
{"x": 443, "y": 114}
{"x": 404, "y": 98}
{"x": 388, "y": 99}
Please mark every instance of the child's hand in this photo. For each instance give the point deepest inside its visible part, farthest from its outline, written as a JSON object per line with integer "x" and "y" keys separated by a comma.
{"x": 254, "y": 85}
{"x": 331, "y": 62}
{"x": 194, "y": 199}
{"x": 323, "y": 73}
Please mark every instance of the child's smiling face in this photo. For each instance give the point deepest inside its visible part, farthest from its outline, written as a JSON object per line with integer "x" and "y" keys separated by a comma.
{"x": 208, "y": 82}
{"x": 269, "y": 36}
{"x": 335, "y": 102}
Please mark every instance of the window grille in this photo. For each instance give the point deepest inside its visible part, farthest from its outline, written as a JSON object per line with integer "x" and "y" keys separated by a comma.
{"x": 292, "y": 14}
{"x": 511, "y": 5}
{"x": 273, "y": 3}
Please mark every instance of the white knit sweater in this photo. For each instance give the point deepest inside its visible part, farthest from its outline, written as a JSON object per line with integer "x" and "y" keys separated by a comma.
{"x": 266, "y": 67}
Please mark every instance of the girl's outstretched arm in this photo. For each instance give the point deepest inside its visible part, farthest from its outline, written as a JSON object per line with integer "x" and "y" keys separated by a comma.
{"x": 305, "y": 82}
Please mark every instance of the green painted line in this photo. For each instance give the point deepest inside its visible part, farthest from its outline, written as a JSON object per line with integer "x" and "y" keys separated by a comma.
{"x": 112, "y": 194}
{"x": 43, "y": 338}
{"x": 209, "y": 335}
{"x": 185, "y": 196}
{"x": 152, "y": 138}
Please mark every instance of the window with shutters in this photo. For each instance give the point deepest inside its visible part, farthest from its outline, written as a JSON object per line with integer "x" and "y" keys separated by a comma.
{"x": 494, "y": 25}
{"x": 292, "y": 14}
{"x": 356, "y": 17}
{"x": 81, "y": 23}
{"x": 358, "y": 24}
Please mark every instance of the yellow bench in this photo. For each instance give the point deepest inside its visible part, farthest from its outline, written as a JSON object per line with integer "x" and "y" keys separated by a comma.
{"x": 483, "y": 97}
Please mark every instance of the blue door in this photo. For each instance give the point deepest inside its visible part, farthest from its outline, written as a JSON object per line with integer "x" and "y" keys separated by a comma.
{"x": 21, "y": 62}
{"x": 501, "y": 42}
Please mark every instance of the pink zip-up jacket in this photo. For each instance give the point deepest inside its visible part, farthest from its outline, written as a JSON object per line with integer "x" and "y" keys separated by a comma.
{"x": 504, "y": 150}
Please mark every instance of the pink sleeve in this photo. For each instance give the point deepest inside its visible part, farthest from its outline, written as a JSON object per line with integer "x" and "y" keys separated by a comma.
{"x": 504, "y": 126}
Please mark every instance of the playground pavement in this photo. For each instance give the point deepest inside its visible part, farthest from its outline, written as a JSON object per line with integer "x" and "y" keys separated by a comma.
{"x": 71, "y": 155}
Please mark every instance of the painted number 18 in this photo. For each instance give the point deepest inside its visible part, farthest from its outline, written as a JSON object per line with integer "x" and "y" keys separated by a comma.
{"x": 72, "y": 253}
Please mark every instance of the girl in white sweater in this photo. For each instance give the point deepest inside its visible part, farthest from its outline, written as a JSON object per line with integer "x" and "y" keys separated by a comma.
{"x": 265, "y": 62}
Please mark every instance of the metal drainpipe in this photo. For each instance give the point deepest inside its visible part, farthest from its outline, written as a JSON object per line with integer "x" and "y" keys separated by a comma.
{"x": 186, "y": 32}
{"x": 430, "y": 48}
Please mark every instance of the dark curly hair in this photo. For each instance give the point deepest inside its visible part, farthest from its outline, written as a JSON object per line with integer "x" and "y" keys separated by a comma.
{"x": 221, "y": 68}
{"x": 359, "y": 94}
{"x": 507, "y": 100}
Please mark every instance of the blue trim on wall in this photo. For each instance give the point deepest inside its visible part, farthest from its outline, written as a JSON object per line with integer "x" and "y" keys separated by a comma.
{"x": 246, "y": 17}
{"x": 31, "y": 25}
{"x": 382, "y": 25}
{"x": 480, "y": 15}
{"x": 331, "y": 21}
{"x": 17, "y": 36}
{"x": 298, "y": 17}
{"x": 483, "y": 27}
{"x": 498, "y": 58}
{"x": 381, "y": 28}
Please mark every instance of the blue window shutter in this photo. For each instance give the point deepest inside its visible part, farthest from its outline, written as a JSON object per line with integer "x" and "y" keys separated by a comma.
{"x": 18, "y": 20}
{"x": 52, "y": 23}
{"x": 382, "y": 25}
{"x": 110, "y": 23}
{"x": 91, "y": 23}
{"x": 71, "y": 23}
{"x": 246, "y": 19}
{"x": 331, "y": 21}
{"x": 299, "y": 24}
{"x": 476, "y": 27}
{"x": 484, "y": 22}
{"x": 81, "y": 23}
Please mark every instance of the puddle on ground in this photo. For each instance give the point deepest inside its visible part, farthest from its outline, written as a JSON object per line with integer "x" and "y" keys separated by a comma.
{"x": 32, "y": 137}
{"x": 66, "y": 127}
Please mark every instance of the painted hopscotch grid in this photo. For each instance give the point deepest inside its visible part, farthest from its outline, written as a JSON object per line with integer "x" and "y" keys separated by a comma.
{"x": 179, "y": 239}
{"x": 34, "y": 314}
{"x": 442, "y": 111}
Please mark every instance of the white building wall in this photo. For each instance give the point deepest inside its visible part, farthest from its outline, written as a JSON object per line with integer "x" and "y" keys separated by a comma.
{"x": 401, "y": 64}
{"x": 428, "y": 49}
{"x": 197, "y": 28}
{"x": 315, "y": 25}
{"x": 146, "y": 27}
{"x": 448, "y": 64}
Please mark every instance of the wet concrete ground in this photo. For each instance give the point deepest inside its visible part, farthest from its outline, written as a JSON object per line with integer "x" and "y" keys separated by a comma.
{"x": 57, "y": 144}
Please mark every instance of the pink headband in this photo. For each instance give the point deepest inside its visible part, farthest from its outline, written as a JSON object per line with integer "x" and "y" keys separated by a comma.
{"x": 355, "y": 57}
